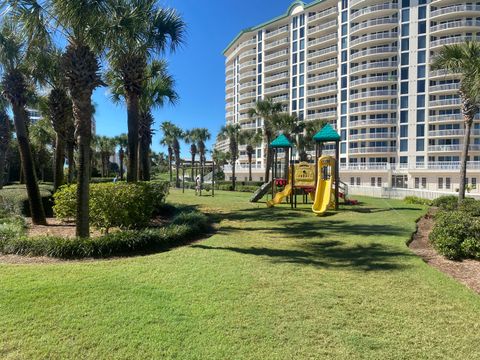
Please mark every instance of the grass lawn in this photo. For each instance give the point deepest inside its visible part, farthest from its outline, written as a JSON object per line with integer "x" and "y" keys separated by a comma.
{"x": 271, "y": 284}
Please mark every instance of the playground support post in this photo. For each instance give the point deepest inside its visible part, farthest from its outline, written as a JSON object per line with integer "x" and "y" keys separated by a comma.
{"x": 213, "y": 178}
{"x": 337, "y": 173}
{"x": 183, "y": 178}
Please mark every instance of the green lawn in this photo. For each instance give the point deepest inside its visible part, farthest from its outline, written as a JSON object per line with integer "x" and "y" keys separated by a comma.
{"x": 271, "y": 284}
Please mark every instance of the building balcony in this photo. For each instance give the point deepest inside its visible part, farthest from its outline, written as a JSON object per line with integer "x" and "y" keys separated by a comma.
{"x": 276, "y": 66}
{"x": 277, "y": 89}
{"x": 324, "y": 65}
{"x": 247, "y": 55}
{"x": 277, "y": 55}
{"x": 249, "y": 126}
{"x": 247, "y": 44}
{"x": 246, "y": 96}
{"x": 445, "y": 103}
{"x": 444, "y": 88}
{"x": 373, "y": 122}
{"x": 244, "y": 117}
{"x": 229, "y": 105}
{"x": 453, "y": 40}
{"x": 373, "y": 67}
{"x": 322, "y": 115}
{"x": 248, "y": 85}
{"x": 373, "y": 136}
{"x": 322, "y": 103}
{"x": 386, "y": 9}
{"x": 455, "y": 11}
{"x": 277, "y": 43}
{"x": 374, "y": 39}
{"x": 357, "y": 4}
{"x": 322, "y": 90}
{"x": 374, "y": 25}
{"x": 374, "y": 94}
{"x": 324, "y": 27}
{"x": 278, "y": 77}
{"x": 230, "y": 113}
{"x": 229, "y": 96}
{"x": 252, "y": 64}
{"x": 246, "y": 106}
{"x": 452, "y": 133}
{"x": 445, "y": 118}
{"x": 322, "y": 53}
{"x": 323, "y": 41}
{"x": 452, "y": 148}
{"x": 365, "y": 166}
{"x": 229, "y": 68}
{"x": 460, "y": 25}
{"x": 276, "y": 33}
{"x": 375, "y": 52}
{"x": 230, "y": 78}
{"x": 373, "y": 80}
{"x": 229, "y": 87}
{"x": 442, "y": 74}
{"x": 373, "y": 108}
{"x": 323, "y": 15}
{"x": 322, "y": 78}
{"x": 280, "y": 99}
{"x": 248, "y": 75}
{"x": 373, "y": 150}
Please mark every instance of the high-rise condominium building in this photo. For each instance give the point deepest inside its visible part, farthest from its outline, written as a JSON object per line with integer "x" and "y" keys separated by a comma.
{"x": 363, "y": 66}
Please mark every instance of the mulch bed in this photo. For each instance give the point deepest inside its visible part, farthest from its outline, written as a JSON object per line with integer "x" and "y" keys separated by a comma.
{"x": 466, "y": 272}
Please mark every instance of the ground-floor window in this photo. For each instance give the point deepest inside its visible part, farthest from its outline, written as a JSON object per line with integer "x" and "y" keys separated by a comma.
{"x": 417, "y": 183}
{"x": 424, "y": 183}
{"x": 379, "y": 182}
{"x": 440, "y": 183}
{"x": 448, "y": 183}
{"x": 400, "y": 181}
{"x": 372, "y": 182}
{"x": 352, "y": 181}
{"x": 358, "y": 181}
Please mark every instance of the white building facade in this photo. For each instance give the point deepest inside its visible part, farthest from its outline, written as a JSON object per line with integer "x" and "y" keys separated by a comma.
{"x": 363, "y": 66}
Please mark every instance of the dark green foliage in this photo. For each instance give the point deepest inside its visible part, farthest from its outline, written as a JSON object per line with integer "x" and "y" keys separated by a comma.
{"x": 417, "y": 200}
{"x": 15, "y": 199}
{"x": 447, "y": 202}
{"x": 127, "y": 206}
{"x": 185, "y": 226}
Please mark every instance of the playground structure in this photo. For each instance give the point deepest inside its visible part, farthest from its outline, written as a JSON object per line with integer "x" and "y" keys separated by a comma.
{"x": 320, "y": 181}
{"x": 206, "y": 173}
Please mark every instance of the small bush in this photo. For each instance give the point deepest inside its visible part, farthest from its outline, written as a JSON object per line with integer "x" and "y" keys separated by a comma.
{"x": 456, "y": 234}
{"x": 447, "y": 202}
{"x": 127, "y": 206}
{"x": 15, "y": 199}
{"x": 184, "y": 227}
{"x": 417, "y": 200}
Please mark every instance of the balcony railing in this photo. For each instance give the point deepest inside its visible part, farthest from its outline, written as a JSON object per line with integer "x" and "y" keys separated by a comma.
{"x": 323, "y": 64}
{"x": 374, "y": 51}
{"x": 248, "y": 95}
{"x": 248, "y": 74}
{"x": 281, "y": 98}
{"x": 453, "y": 40}
{"x": 327, "y": 76}
{"x": 322, "y": 115}
{"x": 375, "y": 93}
{"x": 276, "y": 66}
{"x": 323, "y": 27}
{"x": 374, "y": 65}
{"x": 375, "y": 107}
{"x": 455, "y": 8}
{"x": 321, "y": 90}
{"x": 247, "y": 64}
{"x": 281, "y": 76}
{"x": 438, "y": 73}
{"x": 332, "y": 36}
{"x": 276, "y": 55}
{"x": 436, "y": 165}
{"x": 373, "y": 149}
{"x": 247, "y": 54}
{"x": 376, "y": 135}
{"x": 374, "y": 22}
{"x": 248, "y": 85}
{"x": 324, "y": 51}
{"x": 277, "y": 88}
{"x": 374, "y": 79}
{"x": 457, "y": 148}
{"x": 374, "y": 8}
{"x": 380, "y": 36}
{"x": 446, "y": 102}
{"x": 445, "y": 87}
{"x": 365, "y": 122}
{"x": 281, "y": 30}
{"x": 322, "y": 14}
{"x": 329, "y": 101}
{"x": 246, "y": 106}
{"x": 455, "y": 24}
{"x": 276, "y": 43}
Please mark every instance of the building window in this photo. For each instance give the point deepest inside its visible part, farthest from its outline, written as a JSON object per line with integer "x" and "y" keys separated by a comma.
{"x": 404, "y": 74}
{"x": 403, "y": 145}
{"x": 379, "y": 182}
{"x": 424, "y": 183}
{"x": 404, "y": 102}
{"x": 405, "y": 15}
{"x": 420, "y": 144}
{"x": 352, "y": 181}
{"x": 420, "y": 116}
{"x": 422, "y": 42}
{"x": 405, "y": 45}
{"x": 420, "y": 130}
{"x": 422, "y": 57}
{"x": 358, "y": 181}
{"x": 440, "y": 183}
{"x": 474, "y": 183}
{"x": 448, "y": 183}
{"x": 372, "y": 182}
{"x": 422, "y": 27}
{"x": 417, "y": 183}
{"x": 422, "y": 12}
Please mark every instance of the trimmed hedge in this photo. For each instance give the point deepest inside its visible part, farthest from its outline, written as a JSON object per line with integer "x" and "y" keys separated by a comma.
{"x": 417, "y": 200}
{"x": 15, "y": 199}
{"x": 185, "y": 226}
{"x": 127, "y": 206}
{"x": 456, "y": 233}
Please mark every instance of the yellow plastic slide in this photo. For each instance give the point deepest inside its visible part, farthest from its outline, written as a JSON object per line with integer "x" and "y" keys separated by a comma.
{"x": 280, "y": 196}
{"x": 323, "y": 193}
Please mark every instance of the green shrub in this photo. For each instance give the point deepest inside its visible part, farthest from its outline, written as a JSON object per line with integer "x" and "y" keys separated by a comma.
{"x": 15, "y": 199}
{"x": 447, "y": 202}
{"x": 456, "y": 234}
{"x": 184, "y": 227}
{"x": 417, "y": 200}
{"x": 120, "y": 205}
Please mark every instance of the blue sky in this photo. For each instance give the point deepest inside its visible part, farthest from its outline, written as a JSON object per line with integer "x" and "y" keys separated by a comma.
{"x": 198, "y": 67}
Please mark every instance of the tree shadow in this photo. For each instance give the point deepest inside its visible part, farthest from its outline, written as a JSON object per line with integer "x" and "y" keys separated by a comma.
{"x": 329, "y": 254}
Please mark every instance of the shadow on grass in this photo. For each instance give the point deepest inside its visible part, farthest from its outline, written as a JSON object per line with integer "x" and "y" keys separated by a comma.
{"x": 330, "y": 254}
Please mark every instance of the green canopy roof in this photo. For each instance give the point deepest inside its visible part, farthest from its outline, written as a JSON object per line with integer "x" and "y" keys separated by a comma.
{"x": 328, "y": 133}
{"x": 281, "y": 142}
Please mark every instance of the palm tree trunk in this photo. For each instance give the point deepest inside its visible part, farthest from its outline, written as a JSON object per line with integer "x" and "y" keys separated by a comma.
{"x": 268, "y": 159}
{"x": 71, "y": 162}
{"x": 121, "y": 157}
{"x": 202, "y": 166}
{"x": 234, "y": 162}
{"x": 59, "y": 163}
{"x": 170, "y": 170}
{"x": 82, "y": 108}
{"x": 249, "y": 166}
{"x": 193, "y": 166}
{"x": 3, "y": 159}
{"x": 463, "y": 165}
{"x": 28, "y": 167}
{"x": 177, "y": 166}
{"x": 144, "y": 161}
{"x": 133, "y": 114}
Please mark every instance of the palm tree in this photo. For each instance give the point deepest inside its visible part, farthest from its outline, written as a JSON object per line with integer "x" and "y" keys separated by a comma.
{"x": 106, "y": 148}
{"x": 58, "y": 106}
{"x": 42, "y": 140}
{"x": 463, "y": 59}
{"x": 167, "y": 140}
{"x": 267, "y": 110}
{"x": 232, "y": 133}
{"x": 251, "y": 139}
{"x": 122, "y": 143}
{"x": 140, "y": 30}
{"x": 202, "y": 135}
{"x": 177, "y": 134}
{"x": 191, "y": 138}
{"x": 14, "y": 52}
{"x": 5, "y": 139}
{"x": 157, "y": 90}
